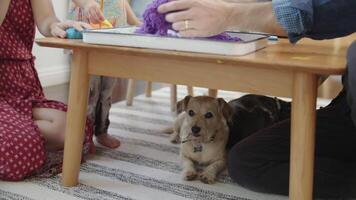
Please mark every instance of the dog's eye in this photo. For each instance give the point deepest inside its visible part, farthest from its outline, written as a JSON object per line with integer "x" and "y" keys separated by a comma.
{"x": 208, "y": 115}
{"x": 191, "y": 113}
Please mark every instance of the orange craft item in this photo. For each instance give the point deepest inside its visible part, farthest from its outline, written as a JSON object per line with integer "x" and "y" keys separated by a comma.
{"x": 104, "y": 24}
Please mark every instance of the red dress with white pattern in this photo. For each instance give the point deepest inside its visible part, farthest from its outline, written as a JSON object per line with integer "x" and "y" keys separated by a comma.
{"x": 22, "y": 148}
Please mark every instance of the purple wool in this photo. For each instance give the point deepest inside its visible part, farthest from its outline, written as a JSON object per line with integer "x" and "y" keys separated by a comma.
{"x": 225, "y": 37}
{"x": 155, "y": 23}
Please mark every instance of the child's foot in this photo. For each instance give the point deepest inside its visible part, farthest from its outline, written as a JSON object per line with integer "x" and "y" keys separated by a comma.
{"x": 108, "y": 141}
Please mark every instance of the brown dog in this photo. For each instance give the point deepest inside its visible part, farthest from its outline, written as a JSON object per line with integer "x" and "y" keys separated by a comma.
{"x": 202, "y": 128}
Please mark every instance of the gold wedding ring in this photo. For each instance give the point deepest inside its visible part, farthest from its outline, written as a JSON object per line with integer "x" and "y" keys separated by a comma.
{"x": 186, "y": 23}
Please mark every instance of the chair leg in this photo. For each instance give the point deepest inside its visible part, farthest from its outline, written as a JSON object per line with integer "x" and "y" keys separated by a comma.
{"x": 190, "y": 90}
{"x": 173, "y": 97}
{"x": 149, "y": 89}
{"x": 130, "y": 92}
{"x": 213, "y": 93}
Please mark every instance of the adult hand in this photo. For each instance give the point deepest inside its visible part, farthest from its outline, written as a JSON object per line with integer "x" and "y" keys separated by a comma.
{"x": 198, "y": 18}
{"x": 93, "y": 12}
{"x": 58, "y": 29}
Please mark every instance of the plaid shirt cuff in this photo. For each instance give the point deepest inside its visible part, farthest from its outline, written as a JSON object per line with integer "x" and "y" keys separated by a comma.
{"x": 294, "y": 20}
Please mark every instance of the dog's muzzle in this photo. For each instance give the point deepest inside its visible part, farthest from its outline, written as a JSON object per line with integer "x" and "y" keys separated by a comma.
{"x": 196, "y": 131}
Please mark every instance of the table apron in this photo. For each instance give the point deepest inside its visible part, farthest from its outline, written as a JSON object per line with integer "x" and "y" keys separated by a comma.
{"x": 196, "y": 73}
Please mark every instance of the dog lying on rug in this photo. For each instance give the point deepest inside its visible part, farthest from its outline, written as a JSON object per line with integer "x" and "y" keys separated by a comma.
{"x": 203, "y": 131}
{"x": 206, "y": 127}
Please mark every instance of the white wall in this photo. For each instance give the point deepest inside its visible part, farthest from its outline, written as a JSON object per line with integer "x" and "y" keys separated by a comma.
{"x": 52, "y": 64}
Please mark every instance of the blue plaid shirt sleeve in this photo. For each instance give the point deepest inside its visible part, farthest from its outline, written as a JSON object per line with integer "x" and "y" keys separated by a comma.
{"x": 316, "y": 19}
{"x": 295, "y": 19}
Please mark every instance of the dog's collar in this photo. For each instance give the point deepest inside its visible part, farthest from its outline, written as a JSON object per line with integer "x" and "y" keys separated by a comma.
{"x": 212, "y": 138}
{"x": 188, "y": 140}
{"x": 198, "y": 147}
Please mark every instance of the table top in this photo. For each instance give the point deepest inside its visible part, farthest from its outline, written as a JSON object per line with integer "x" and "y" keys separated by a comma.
{"x": 327, "y": 57}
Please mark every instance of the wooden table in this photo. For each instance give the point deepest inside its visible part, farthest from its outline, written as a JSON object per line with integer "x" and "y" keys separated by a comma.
{"x": 281, "y": 70}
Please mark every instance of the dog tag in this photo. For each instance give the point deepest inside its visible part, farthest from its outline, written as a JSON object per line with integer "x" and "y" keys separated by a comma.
{"x": 198, "y": 148}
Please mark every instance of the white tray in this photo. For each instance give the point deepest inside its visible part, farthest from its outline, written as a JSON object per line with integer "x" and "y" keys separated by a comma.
{"x": 127, "y": 37}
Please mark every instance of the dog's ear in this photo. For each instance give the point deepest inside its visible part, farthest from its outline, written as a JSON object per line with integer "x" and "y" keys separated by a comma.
{"x": 183, "y": 104}
{"x": 180, "y": 106}
{"x": 225, "y": 109}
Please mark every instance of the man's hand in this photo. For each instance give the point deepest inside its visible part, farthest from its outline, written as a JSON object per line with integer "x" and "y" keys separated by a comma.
{"x": 198, "y": 18}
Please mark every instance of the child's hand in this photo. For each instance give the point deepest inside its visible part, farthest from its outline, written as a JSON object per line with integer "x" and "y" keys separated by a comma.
{"x": 58, "y": 29}
{"x": 93, "y": 12}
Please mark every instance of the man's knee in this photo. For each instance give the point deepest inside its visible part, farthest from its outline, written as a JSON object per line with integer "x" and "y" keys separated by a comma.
{"x": 349, "y": 80}
{"x": 252, "y": 163}
{"x": 240, "y": 164}
{"x": 351, "y": 57}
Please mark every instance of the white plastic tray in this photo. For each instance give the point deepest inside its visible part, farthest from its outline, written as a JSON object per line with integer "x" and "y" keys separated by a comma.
{"x": 127, "y": 37}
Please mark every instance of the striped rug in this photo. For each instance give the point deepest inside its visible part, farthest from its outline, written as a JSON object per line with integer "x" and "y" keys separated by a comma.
{"x": 145, "y": 167}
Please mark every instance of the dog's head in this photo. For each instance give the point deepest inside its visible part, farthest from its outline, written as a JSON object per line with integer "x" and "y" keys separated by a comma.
{"x": 205, "y": 117}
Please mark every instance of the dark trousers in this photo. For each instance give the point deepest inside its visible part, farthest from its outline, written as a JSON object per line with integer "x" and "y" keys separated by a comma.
{"x": 260, "y": 161}
{"x": 99, "y": 103}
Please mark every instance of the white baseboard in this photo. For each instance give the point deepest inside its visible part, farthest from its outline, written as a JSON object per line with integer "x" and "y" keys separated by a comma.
{"x": 54, "y": 75}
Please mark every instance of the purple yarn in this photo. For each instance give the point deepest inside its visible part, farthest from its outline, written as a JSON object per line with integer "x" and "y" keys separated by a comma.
{"x": 153, "y": 21}
{"x": 225, "y": 37}
{"x": 156, "y": 24}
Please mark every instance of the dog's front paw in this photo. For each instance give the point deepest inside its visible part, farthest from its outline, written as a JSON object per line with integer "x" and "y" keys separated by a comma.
{"x": 175, "y": 140}
{"x": 189, "y": 175}
{"x": 207, "y": 178}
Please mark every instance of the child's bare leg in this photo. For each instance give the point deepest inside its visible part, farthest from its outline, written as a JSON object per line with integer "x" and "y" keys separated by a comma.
{"x": 51, "y": 124}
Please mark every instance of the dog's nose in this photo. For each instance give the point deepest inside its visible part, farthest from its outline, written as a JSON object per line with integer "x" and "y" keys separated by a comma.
{"x": 196, "y": 130}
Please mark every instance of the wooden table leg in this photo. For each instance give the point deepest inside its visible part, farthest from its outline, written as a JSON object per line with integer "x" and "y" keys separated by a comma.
{"x": 76, "y": 118}
{"x": 190, "y": 90}
{"x": 173, "y": 97}
{"x": 303, "y": 137}
{"x": 213, "y": 93}
{"x": 131, "y": 89}
{"x": 149, "y": 89}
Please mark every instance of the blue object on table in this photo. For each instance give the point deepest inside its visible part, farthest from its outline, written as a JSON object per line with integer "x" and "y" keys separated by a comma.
{"x": 273, "y": 38}
{"x": 72, "y": 33}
